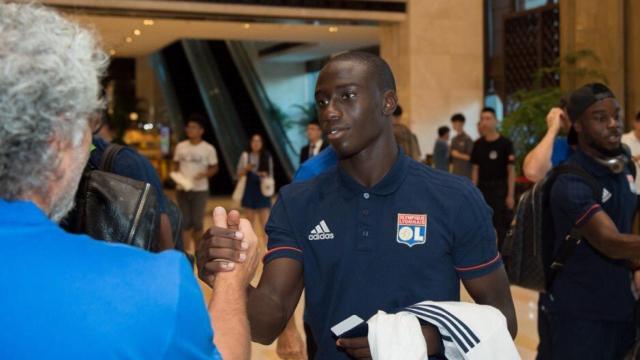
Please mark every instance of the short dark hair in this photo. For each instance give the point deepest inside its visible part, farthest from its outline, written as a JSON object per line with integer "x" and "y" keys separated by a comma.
{"x": 376, "y": 65}
{"x": 458, "y": 117}
{"x": 314, "y": 121}
{"x": 398, "y": 111}
{"x": 638, "y": 116}
{"x": 443, "y": 130}
{"x": 196, "y": 118}
{"x": 488, "y": 109}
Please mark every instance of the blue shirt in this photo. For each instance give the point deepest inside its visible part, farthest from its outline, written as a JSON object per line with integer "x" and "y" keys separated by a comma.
{"x": 129, "y": 163}
{"x": 590, "y": 285}
{"x": 561, "y": 151}
{"x": 71, "y": 297}
{"x": 316, "y": 165}
{"x": 409, "y": 238}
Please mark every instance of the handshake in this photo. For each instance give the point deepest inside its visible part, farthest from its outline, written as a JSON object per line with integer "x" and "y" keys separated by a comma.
{"x": 227, "y": 255}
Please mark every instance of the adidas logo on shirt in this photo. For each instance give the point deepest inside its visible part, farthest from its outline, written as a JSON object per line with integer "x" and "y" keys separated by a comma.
{"x": 321, "y": 232}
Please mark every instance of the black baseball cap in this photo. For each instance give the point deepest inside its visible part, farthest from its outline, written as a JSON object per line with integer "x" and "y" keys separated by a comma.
{"x": 580, "y": 100}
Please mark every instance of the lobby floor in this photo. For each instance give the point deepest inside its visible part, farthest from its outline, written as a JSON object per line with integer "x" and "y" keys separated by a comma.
{"x": 525, "y": 303}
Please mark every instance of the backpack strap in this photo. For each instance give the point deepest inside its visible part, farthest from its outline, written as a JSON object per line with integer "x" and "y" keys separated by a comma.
{"x": 574, "y": 237}
{"x": 109, "y": 156}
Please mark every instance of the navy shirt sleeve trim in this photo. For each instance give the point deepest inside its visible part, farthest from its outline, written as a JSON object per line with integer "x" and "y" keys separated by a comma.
{"x": 588, "y": 215}
{"x": 480, "y": 266}
{"x": 283, "y": 252}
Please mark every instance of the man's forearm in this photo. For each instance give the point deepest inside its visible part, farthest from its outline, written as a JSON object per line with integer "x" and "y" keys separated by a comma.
{"x": 212, "y": 170}
{"x": 538, "y": 161}
{"x": 229, "y": 319}
{"x": 267, "y": 316}
{"x": 474, "y": 174}
{"x": 512, "y": 180}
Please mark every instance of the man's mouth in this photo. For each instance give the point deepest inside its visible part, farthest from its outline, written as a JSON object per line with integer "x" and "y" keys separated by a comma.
{"x": 336, "y": 132}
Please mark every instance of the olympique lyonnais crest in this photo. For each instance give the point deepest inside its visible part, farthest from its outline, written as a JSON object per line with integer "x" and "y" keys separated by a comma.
{"x": 412, "y": 229}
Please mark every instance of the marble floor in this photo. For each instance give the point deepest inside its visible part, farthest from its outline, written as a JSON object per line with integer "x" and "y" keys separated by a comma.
{"x": 525, "y": 302}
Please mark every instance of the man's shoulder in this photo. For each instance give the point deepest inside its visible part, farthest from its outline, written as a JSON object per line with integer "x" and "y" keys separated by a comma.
{"x": 426, "y": 178}
{"x": 302, "y": 190}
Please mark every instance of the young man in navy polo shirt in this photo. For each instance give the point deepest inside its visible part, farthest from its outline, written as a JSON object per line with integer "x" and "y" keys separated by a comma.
{"x": 379, "y": 231}
{"x": 588, "y": 311}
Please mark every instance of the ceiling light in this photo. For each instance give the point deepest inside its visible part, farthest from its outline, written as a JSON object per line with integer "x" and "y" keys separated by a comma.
{"x": 147, "y": 126}
{"x": 247, "y": 26}
{"x": 133, "y": 116}
{"x": 128, "y": 39}
{"x": 333, "y": 29}
{"x": 112, "y": 52}
{"x": 148, "y": 22}
{"x": 137, "y": 32}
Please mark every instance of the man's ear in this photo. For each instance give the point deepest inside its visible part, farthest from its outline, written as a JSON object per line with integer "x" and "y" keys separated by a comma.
{"x": 390, "y": 102}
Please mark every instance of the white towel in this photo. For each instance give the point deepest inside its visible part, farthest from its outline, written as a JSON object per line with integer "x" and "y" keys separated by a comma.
{"x": 396, "y": 337}
{"x": 469, "y": 331}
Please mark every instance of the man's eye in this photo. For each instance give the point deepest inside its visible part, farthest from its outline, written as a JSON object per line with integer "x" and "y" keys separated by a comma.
{"x": 348, "y": 96}
{"x": 321, "y": 103}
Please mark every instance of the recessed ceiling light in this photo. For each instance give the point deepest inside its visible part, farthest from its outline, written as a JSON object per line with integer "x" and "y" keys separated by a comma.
{"x": 137, "y": 32}
{"x": 128, "y": 39}
{"x": 133, "y": 116}
{"x": 148, "y": 22}
{"x": 333, "y": 29}
{"x": 247, "y": 26}
{"x": 112, "y": 52}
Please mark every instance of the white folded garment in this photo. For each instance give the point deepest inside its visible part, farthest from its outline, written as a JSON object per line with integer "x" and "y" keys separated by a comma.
{"x": 396, "y": 337}
{"x": 469, "y": 331}
{"x": 183, "y": 182}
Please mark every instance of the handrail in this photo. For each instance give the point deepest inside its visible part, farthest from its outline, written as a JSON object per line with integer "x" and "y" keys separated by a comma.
{"x": 283, "y": 148}
{"x": 218, "y": 102}
{"x": 161, "y": 71}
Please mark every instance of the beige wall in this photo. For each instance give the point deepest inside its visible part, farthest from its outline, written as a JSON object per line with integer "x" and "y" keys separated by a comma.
{"x": 610, "y": 28}
{"x": 437, "y": 56}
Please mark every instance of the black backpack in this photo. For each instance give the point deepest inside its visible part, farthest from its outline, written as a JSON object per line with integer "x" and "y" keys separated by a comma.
{"x": 115, "y": 208}
{"x": 527, "y": 250}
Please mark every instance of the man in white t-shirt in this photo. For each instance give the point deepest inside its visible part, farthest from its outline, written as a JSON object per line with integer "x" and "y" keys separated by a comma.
{"x": 632, "y": 140}
{"x": 196, "y": 160}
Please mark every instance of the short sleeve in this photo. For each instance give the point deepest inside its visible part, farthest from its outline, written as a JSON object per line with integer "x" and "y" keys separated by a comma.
{"x": 475, "y": 251}
{"x": 509, "y": 150}
{"x": 572, "y": 196}
{"x": 282, "y": 239}
{"x": 560, "y": 151}
{"x": 177, "y": 153}
{"x": 213, "y": 157}
{"x": 191, "y": 335}
{"x": 475, "y": 154}
{"x": 468, "y": 146}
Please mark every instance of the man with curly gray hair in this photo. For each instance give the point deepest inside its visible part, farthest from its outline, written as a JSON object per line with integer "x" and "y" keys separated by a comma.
{"x": 69, "y": 296}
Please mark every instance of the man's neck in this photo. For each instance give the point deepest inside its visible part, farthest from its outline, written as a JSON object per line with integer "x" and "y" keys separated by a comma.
{"x": 493, "y": 136}
{"x": 637, "y": 134}
{"x": 195, "y": 141}
{"x": 371, "y": 165}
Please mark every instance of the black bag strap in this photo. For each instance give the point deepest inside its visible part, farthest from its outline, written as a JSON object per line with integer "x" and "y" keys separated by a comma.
{"x": 574, "y": 237}
{"x": 109, "y": 156}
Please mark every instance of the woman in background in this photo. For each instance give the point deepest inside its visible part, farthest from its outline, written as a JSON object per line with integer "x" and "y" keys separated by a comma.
{"x": 256, "y": 163}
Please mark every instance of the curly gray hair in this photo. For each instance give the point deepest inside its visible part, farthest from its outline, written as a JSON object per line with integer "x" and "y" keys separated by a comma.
{"x": 50, "y": 72}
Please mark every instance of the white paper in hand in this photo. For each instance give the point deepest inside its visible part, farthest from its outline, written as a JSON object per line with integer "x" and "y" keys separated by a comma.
{"x": 183, "y": 182}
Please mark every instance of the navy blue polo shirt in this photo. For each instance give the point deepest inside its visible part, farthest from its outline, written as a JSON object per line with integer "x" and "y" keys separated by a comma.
{"x": 590, "y": 285}
{"x": 409, "y": 238}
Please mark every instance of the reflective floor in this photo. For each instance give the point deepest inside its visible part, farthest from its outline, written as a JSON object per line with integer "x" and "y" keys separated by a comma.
{"x": 525, "y": 302}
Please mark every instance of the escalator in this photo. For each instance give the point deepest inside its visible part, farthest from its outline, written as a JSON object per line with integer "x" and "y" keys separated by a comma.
{"x": 216, "y": 79}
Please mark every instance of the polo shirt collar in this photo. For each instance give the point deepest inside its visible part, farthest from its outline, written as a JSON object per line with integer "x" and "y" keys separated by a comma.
{"x": 589, "y": 164}
{"x": 388, "y": 185}
{"x": 21, "y": 212}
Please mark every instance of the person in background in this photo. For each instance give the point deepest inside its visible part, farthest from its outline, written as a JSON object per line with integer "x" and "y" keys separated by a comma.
{"x": 588, "y": 310}
{"x": 197, "y": 160}
{"x": 316, "y": 143}
{"x": 341, "y": 238}
{"x": 441, "y": 149}
{"x": 405, "y": 138}
{"x": 552, "y": 149}
{"x": 72, "y": 297}
{"x": 493, "y": 170}
{"x": 256, "y": 163}
{"x": 632, "y": 140}
{"x": 461, "y": 147}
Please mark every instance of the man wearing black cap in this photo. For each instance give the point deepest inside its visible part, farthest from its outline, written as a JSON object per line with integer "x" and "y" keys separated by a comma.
{"x": 587, "y": 312}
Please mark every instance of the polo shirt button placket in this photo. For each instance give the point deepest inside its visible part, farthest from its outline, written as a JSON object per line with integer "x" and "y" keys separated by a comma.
{"x": 366, "y": 196}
